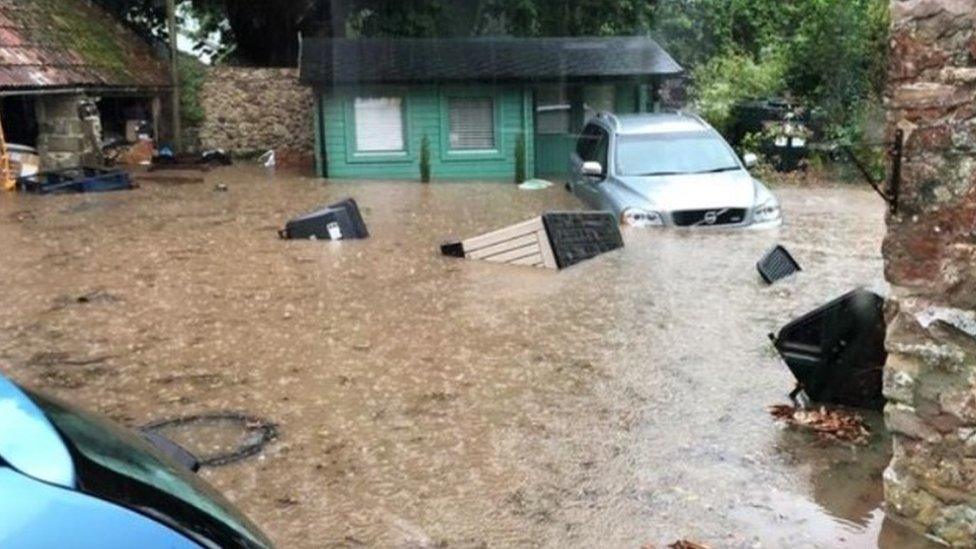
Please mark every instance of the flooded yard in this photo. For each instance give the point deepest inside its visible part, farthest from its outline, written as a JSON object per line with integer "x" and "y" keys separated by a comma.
{"x": 427, "y": 401}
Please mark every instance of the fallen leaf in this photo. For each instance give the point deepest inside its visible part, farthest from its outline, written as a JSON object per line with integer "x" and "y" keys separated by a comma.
{"x": 829, "y": 425}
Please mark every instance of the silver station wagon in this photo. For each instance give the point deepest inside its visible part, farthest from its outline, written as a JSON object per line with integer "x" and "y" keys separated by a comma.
{"x": 668, "y": 170}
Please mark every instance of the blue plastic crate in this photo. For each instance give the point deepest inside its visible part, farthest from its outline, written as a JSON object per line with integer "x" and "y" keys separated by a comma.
{"x": 76, "y": 180}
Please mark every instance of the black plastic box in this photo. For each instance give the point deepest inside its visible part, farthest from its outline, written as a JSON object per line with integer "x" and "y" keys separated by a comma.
{"x": 837, "y": 351}
{"x": 339, "y": 221}
{"x": 578, "y": 236}
{"x": 777, "y": 264}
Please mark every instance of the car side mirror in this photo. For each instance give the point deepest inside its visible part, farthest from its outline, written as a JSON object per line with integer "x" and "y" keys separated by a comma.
{"x": 750, "y": 160}
{"x": 592, "y": 169}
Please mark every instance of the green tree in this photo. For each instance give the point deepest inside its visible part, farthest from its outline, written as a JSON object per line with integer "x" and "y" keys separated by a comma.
{"x": 829, "y": 53}
{"x": 570, "y": 18}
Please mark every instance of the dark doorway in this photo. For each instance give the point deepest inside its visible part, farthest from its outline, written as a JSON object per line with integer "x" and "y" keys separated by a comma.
{"x": 19, "y": 120}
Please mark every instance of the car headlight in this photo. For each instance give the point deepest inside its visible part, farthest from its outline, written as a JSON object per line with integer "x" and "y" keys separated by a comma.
{"x": 636, "y": 217}
{"x": 767, "y": 211}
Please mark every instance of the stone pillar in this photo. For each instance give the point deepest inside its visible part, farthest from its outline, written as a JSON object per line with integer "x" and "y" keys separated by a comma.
{"x": 65, "y": 140}
{"x": 930, "y": 260}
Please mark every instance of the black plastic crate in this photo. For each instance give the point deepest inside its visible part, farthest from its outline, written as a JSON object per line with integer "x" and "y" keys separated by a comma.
{"x": 339, "y": 221}
{"x": 777, "y": 264}
{"x": 836, "y": 352}
{"x": 578, "y": 236}
{"x": 76, "y": 180}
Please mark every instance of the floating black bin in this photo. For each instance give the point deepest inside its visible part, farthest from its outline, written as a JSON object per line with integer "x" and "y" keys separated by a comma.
{"x": 777, "y": 264}
{"x": 836, "y": 352}
{"x": 339, "y": 221}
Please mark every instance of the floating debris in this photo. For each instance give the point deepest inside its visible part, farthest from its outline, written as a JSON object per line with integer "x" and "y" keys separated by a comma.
{"x": 680, "y": 544}
{"x": 338, "y": 221}
{"x": 685, "y": 544}
{"x": 96, "y": 296}
{"x": 555, "y": 240}
{"x": 777, "y": 264}
{"x": 837, "y": 351}
{"x": 535, "y": 185}
{"x": 832, "y": 425}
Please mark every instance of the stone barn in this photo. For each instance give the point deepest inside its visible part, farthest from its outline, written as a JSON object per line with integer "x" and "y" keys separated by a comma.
{"x": 58, "y": 56}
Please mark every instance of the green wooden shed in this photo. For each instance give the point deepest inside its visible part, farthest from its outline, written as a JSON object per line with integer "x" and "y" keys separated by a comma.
{"x": 479, "y": 103}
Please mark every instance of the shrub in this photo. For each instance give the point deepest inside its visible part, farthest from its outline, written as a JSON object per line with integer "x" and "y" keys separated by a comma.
{"x": 425, "y": 159}
{"x": 520, "y": 158}
{"x": 192, "y": 74}
{"x": 732, "y": 77}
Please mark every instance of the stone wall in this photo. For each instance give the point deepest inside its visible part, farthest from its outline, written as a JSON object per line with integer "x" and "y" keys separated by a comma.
{"x": 250, "y": 110}
{"x": 65, "y": 140}
{"x": 930, "y": 252}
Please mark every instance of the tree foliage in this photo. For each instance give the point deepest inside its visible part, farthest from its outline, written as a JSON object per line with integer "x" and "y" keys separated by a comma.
{"x": 581, "y": 17}
{"x": 731, "y": 77}
{"x": 830, "y": 53}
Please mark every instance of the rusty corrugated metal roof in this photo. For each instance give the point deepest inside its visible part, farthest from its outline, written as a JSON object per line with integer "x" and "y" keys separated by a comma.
{"x": 72, "y": 43}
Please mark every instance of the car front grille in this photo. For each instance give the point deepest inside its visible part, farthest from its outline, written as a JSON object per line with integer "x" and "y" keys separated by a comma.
{"x": 715, "y": 216}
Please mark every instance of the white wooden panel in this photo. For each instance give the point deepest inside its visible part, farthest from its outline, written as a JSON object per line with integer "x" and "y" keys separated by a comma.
{"x": 504, "y": 246}
{"x": 517, "y": 253}
{"x": 545, "y": 250}
{"x": 531, "y": 261}
{"x": 508, "y": 233}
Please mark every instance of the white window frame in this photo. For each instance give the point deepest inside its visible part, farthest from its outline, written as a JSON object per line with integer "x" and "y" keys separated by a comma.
{"x": 357, "y": 136}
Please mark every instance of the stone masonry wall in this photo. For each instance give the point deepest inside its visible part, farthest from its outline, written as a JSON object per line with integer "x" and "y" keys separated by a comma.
{"x": 252, "y": 110}
{"x": 64, "y": 139}
{"x": 930, "y": 253}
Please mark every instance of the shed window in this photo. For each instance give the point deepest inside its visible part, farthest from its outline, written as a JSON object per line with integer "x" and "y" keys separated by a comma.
{"x": 379, "y": 124}
{"x": 552, "y": 111}
{"x": 472, "y": 123}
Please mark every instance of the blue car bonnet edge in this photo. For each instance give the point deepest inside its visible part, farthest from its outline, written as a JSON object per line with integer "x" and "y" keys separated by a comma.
{"x": 28, "y": 441}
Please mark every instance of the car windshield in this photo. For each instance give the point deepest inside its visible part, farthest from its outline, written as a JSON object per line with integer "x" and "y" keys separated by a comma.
{"x": 672, "y": 154}
{"x": 114, "y": 464}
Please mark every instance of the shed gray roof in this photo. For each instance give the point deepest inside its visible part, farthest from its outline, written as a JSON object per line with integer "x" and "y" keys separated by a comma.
{"x": 362, "y": 61}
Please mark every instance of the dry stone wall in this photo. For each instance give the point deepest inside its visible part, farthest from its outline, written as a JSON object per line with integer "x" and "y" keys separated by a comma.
{"x": 930, "y": 253}
{"x": 252, "y": 110}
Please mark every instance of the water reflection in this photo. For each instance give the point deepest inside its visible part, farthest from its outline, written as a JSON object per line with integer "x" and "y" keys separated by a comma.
{"x": 846, "y": 488}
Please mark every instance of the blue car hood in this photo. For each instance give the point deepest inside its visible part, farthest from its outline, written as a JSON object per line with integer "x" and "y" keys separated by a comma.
{"x": 28, "y": 441}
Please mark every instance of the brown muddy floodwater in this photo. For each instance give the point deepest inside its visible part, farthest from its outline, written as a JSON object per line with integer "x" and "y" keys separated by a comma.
{"x": 429, "y": 401}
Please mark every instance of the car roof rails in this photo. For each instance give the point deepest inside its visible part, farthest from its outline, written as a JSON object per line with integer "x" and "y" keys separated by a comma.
{"x": 693, "y": 116}
{"x": 610, "y": 117}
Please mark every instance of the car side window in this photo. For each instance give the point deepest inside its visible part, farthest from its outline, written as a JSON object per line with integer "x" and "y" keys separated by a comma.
{"x": 601, "y": 148}
{"x": 586, "y": 145}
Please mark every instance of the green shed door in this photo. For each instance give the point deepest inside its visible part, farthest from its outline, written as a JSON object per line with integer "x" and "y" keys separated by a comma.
{"x": 555, "y": 133}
